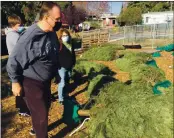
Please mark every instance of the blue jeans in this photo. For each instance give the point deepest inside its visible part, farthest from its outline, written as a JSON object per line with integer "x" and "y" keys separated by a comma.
{"x": 65, "y": 76}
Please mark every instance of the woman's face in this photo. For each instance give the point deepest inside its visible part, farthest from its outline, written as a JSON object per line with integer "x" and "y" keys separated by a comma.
{"x": 65, "y": 37}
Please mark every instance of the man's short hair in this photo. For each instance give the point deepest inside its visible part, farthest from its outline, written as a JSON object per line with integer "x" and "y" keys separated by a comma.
{"x": 13, "y": 20}
{"x": 46, "y": 7}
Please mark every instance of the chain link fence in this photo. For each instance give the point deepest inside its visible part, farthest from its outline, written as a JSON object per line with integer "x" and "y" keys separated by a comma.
{"x": 148, "y": 36}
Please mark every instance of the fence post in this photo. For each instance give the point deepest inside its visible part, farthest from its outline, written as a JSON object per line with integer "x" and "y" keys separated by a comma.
{"x": 124, "y": 34}
{"x": 135, "y": 33}
{"x": 99, "y": 41}
{"x": 153, "y": 33}
{"x": 108, "y": 35}
{"x": 142, "y": 33}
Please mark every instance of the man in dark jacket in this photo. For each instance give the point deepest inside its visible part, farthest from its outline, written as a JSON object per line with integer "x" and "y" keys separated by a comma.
{"x": 34, "y": 62}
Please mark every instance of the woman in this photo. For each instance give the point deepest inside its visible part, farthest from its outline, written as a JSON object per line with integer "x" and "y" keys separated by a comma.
{"x": 67, "y": 61}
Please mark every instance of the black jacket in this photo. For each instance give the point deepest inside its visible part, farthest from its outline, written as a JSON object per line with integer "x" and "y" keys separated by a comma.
{"x": 67, "y": 58}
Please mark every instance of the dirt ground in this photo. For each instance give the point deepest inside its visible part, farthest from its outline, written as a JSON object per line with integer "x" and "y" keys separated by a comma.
{"x": 165, "y": 62}
{"x": 15, "y": 126}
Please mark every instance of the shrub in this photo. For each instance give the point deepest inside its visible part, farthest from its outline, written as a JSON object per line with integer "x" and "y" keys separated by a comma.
{"x": 127, "y": 64}
{"x": 106, "y": 52}
{"x": 147, "y": 74}
{"x": 99, "y": 53}
{"x": 131, "y": 112}
{"x": 132, "y": 60}
{"x": 91, "y": 68}
{"x": 142, "y": 55}
{"x": 95, "y": 25}
{"x": 139, "y": 71}
{"x": 124, "y": 64}
{"x": 97, "y": 83}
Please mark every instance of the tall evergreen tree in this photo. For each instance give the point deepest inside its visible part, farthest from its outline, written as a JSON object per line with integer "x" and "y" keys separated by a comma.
{"x": 151, "y": 6}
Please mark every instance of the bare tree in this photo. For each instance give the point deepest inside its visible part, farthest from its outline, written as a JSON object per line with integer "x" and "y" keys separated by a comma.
{"x": 74, "y": 15}
{"x": 97, "y": 8}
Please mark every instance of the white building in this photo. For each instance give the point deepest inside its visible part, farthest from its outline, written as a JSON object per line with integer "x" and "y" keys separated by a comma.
{"x": 157, "y": 17}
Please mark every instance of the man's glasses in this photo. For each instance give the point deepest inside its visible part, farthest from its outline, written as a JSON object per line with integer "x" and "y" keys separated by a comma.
{"x": 56, "y": 20}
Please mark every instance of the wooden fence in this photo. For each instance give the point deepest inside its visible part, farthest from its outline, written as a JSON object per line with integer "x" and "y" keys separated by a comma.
{"x": 95, "y": 37}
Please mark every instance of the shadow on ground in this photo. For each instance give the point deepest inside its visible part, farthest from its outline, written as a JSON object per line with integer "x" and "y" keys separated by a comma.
{"x": 6, "y": 119}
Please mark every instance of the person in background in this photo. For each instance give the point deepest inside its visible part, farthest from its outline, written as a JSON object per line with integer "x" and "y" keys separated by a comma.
{"x": 13, "y": 31}
{"x": 67, "y": 60}
{"x": 12, "y": 36}
{"x": 34, "y": 62}
{"x": 80, "y": 27}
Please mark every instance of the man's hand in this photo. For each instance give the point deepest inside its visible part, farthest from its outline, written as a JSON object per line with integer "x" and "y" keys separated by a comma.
{"x": 16, "y": 89}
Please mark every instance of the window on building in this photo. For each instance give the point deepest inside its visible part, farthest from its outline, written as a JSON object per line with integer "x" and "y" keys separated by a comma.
{"x": 147, "y": 19}
{"x": 113, "y": 21}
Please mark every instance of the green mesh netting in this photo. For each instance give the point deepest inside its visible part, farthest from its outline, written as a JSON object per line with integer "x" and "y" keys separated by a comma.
{"x": 70, "y": 115}
{"x": 156, "y": 54}
{"x": 167, "y": 48}
{"x": 164, "y": 84}
{"x": 152, "y": 63}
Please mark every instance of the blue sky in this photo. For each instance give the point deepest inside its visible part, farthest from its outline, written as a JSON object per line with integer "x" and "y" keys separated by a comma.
{"x": 116, "y": 7}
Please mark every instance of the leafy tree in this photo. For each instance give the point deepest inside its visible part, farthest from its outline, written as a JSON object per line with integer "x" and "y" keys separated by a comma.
{"x": 151, "y": 6}
{"x": 131, "y": 16}
{"x": 12, "y": 7}
{"x": 30, "y": 9}
{"x": 27, "y": 10}
{"x": 148, "y": 6}
{"x": 9, "y": 8}
{"x": 161, "y": 6}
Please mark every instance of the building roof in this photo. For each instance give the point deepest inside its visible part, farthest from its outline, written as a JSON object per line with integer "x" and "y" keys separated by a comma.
{"x": 108, "y": 15}
{"x": 158, "y": 12}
